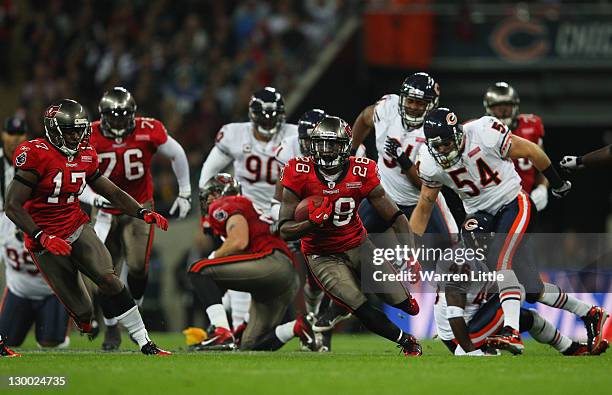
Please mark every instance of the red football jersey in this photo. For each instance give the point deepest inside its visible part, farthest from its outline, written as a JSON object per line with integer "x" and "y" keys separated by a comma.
{"x": 127, "y": 161}
{"x": 344, "y": 229}
{"x": 529, "y": 127}
{"x": 260, "y": 238}
{"x": 54, "y": 204}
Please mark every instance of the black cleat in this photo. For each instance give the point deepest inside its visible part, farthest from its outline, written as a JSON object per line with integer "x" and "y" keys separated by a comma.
{"x": 330, "y": 318}
{"x": 5, "y": 351}
{"x": 576, "y": 350}
{"x": 112, "y": 338}
{"x": 325, "y": 341}
{"x": 594, "y": 322}
{"x": 410, "y": 346}
{"x": 151, "y": 349}
{"x": 303, "y": 330}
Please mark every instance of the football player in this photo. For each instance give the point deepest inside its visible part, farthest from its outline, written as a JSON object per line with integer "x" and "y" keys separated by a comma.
{"x": 474, "y": 160}
{"x": 251, "y": 259}
{"x": 467, "y": 314}
{"x": 502, "y": 102}
{"x": 126, "y": 145}
{"x": 250, "y": 147}
{"x": 600, "y": 158}
{"x": 27, "y": 300}
{"x": 42, "y": 200}
{"x": 333, "y": 235}
{"x": 397, "y": 121}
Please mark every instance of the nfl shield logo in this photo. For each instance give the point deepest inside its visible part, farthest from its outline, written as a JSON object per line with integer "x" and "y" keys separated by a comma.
{"x": 220, "y": 215}
{"x": 20, "y": 160}
{"x": 331, "y": 184}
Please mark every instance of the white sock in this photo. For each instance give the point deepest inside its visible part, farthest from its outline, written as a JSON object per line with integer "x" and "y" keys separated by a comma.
{"x": 545, "y": 332}
{"x": 284, "y": 332}
{"x": 110, "y": 321}
{"x": 239, "y": 303}
{"x": 217, "y": 316}
{"x": 554, "y": 297}
{"x": 510, "y": 295}
{"x": 132, "y": 321}
{"x": 312, "y": 298}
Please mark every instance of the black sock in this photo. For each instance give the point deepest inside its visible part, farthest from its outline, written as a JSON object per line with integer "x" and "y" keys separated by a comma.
{"x": 377, "y": 322}
{"x": 137, "y": 285}
{"x": 268, "y": 342}
{"x": 405, "y": 306}
{"x": 205, "y": 287}
{"x": 115, "y": 305}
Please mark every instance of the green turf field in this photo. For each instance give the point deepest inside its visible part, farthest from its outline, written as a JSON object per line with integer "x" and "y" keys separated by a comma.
{"x": 359, "y": 364}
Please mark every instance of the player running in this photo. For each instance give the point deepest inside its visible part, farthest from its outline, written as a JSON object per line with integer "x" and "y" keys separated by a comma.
{"x": 502, "y": 102}
{"x": 251, "y": 260}
{"x": 126, "y": 145}
{"x": 474, "y": 160}
{"x": 397, "y": 121}
{"x": 250, "y": 147}
{"x": 333, "y": 235}
{"x": 42, "y": 200}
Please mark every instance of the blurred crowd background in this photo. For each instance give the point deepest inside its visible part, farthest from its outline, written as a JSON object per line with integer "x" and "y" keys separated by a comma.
{"x": 194, "y": 64}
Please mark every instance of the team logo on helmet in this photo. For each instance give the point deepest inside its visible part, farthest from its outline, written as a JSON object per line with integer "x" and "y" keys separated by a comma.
{"x": 348, "y": 130}
{"x": 451, "y": 118}
{"x": 471, "y": 224}
{"x": 20, "y": 160}
{"x": 52, "y": 110}
{"x": 220, "y": 215}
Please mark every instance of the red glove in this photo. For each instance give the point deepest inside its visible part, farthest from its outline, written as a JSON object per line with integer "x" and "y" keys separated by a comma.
{"x": 318, "y": 215}
{"x": 151, "y": 217}
{"x": 54, "y": 245}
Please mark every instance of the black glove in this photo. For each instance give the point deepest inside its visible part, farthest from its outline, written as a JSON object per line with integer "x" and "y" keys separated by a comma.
{"x": 394, "y": 150}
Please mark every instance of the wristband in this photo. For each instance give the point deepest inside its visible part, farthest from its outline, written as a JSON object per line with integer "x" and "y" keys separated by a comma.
{"x": 36, "y": 233}
{"x": 141, "y": 213}
{"x": 404, "y": 162}
{"x": 553, "y": 177}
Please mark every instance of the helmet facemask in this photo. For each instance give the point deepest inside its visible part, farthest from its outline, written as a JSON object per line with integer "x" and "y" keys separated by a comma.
{"x": 68, "y": 138}
{"x": 502, "y": 94}
{"x": 447, "y": 151}
{"x": 267, "y": 119}
{"x": 223, "y": 184}
{"x": 329, "y": 153}
{"x": 118, "y": 122}
{"x": 411, "y": 120}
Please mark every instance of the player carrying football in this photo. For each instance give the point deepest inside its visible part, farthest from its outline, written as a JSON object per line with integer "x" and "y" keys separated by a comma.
{"x": 475, "y": 161}
{"x": 502, "y": 102}
{"x": 126, "y": 145}
{"x": 43, "y": 202}
{"x": 332, "y": 235}
{"x": 251, "y": 260}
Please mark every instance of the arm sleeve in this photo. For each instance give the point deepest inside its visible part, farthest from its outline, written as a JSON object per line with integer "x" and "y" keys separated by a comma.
{"x": 214, "y": 163}
{"x": 172, "y": 150}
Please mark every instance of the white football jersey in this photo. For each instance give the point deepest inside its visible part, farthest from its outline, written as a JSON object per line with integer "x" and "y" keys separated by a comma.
{"x": 388, "y": 123}
{"x": 289, "y": 149}
{"x": 484, "y": 178}
{"x": 472, "y": 304}
{"x": 255, "y": 165}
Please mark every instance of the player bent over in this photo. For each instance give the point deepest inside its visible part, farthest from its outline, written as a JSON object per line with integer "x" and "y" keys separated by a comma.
{"x": 475, "y": 160}
{"x": 43, "y": 202}
{"x": 252, "y": 260}
{"x": 333, "y": 234}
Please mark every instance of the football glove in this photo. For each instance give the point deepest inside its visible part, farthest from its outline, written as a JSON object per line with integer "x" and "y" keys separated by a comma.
{"x": 100, "y": 201}
{"x": 182, "y": 204}
{"x": 562, "y": 190}
{"x": 55, "y": 245}
{"x": 571, "y": 162}
{"x": 151, "y": 217}
{"x": 394, "y": 149}
{"x": 540, "y": 197}
{"x": 318, "y": 215}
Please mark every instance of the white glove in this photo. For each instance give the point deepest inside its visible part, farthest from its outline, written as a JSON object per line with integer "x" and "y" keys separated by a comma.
{"x": 100, "y": 201}
{"x": 183, "y": 204}
{"x": 571, "y": 162}
{"x": 476, "y": 353}
{"x": 275, "y": 210}
{"x": 562, "y": 190}
{"x": 211, "y": 255}
{"x": 540, "y": 197}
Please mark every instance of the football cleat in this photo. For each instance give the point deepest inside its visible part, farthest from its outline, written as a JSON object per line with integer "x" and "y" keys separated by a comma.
{"x": 239, "y": 331}
{"x": 508, "y": 339}
{"x": 325, "y": 341}
{"x": 594, "y": 322}
{"x": 577, "y": 350}
{"x": 5, "y": 351}
{"x": 220, "y": 339}
{"x": 603, "y": 346}
{"x": 112, "y": 338}
{"x": 410, "y": 346}
{"x": 91, "y": 329}
{"x": 414, "y": 306}
{"x": 151, "y": 349}
{"x": 330, "y": 318}
{"x": 303, "y": 330}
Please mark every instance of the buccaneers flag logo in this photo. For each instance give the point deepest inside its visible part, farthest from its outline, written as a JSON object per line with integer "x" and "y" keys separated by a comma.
{"x": 52, "y": 110}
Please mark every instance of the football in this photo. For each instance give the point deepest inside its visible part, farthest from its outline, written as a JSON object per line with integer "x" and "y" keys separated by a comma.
{"x": 301, "y": 211}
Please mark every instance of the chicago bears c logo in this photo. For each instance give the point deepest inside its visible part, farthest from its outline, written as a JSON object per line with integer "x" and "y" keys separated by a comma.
{"x": 52, "y": 110}
{"x": 471, "y": 224}
{"x": 451, "y": 119}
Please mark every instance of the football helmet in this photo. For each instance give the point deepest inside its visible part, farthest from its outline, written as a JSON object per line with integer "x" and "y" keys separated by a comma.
{"x": 502, "y": 93}
{"x": 419, "y": 86}
{"x": 117, "y": 113}
{"x": 67, "y": 126}
{"x": 267, "y": 111}
{"x": 444, "y": 136}
{"x": 306, "y": 124}
{"x": 478, "y": 230}
{"x": 330, "y": 142}
{"x": 223, "y": 184}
